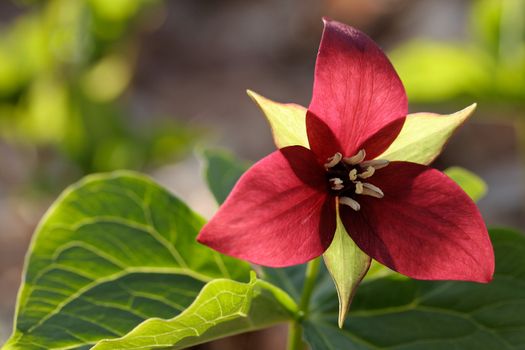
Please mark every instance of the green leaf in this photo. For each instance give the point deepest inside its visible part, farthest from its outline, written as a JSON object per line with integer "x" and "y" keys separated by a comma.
{"x": 437, "y": 71}
{"x": 347, "y": 265}
{"x": 287, "y": 120}
{"x": 291, "y": 279}
{"x": 222, "y": 171}
{"x": 223, "y": 307}
{"x": 471, "y": 183}
{"x": 111, "y": 252}
{"x": 424, "y": 135}
{"x": 399, "y": 313}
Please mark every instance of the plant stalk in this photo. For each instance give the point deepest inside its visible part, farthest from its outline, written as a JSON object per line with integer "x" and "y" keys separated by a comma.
{"x": 295, "y": 334}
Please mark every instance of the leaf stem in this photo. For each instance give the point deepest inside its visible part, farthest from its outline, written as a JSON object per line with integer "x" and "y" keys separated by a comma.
{"x": 295, "y": 335}
{"x": 312, "y": 269}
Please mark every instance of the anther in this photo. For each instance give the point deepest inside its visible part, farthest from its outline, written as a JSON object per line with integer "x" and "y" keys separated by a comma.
{"x": 371, "y": 190}
{"x": 337, "y": 184}
{"x": 357, "y": 170}
{"x": 376, "y": 164}
{"x": 334, "y": 160}
{"x": 358, "y": 187}
{"x": 367, "y": 173}
{"x": 358, "y": 158}
{"x": 350, "y": 202}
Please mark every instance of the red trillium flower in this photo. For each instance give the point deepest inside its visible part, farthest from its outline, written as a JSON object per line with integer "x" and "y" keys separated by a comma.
{"x": 358, "y": 159}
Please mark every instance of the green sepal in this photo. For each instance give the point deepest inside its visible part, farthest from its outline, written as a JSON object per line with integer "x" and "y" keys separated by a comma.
{"x": 424, "y": 135}
{"x": 287, "y": 121}
{"x": 347, "y": 265}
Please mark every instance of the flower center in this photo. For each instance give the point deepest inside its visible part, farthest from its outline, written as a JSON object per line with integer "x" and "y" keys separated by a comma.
{"x": 346, "y": 177}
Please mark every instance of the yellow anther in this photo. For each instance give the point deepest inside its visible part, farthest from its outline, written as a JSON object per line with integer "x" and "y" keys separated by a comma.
{"x": 371, "y": 190}
{"x": 358, "y": 187}
{"x": 350, "y": 202}
{"x": 376, "y": 163}
{"x": 337, "y": 184}
{"x": 334, "y": 160}
{"x": 367, "y": 173}
{"x": 358, "y": 158}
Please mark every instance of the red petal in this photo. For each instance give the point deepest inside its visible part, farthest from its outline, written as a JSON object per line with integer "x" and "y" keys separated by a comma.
{"x": 356, "y": 91}
{"x": 424, "y": 227}
{"x": 278, "y": 214}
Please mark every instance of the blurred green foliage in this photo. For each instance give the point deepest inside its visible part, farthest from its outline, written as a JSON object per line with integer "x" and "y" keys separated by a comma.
{"x": 65, "y": 66}
{"x": 490, "y": 66}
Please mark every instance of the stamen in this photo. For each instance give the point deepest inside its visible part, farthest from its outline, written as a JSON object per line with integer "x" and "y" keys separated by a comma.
{"x": 350, "y": 202}
{"x": 358, "y": 187}
{"x": 376, "y": 163}
{"x": 367, "y": 173}
{"x": 357, "y": 170}
{"x": 334, "y": 160}
{"x": 337, "y": 184}
{"x": 371, "y": 190}
{"x": 358, "y": 158}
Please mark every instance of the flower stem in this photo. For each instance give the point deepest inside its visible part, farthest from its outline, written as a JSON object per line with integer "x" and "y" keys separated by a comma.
{"x": 295, "y": 335}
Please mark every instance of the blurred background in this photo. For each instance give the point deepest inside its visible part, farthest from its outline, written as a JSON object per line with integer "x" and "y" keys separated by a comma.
{"x": 94, "y": 85}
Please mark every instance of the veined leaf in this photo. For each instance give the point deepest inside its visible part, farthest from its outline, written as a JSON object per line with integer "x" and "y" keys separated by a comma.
{"x": 112, "y": 251}
{"x": 223, "y": 307}
{"x": 405, "y": 314}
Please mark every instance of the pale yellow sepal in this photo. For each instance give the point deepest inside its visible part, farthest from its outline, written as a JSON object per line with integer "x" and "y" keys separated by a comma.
{"x": 347, "y": 265}
{"x": 287, "y": 120}
{"x": 424, "y": 135}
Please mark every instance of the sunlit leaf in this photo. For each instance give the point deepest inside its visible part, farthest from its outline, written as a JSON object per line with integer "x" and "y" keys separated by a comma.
{"x": 107, "y": 79}
{"x": 112, "y": 251}
{"x": 433, "y": 71}
{"x": 485, "y": 23}
{"x": 115, "y": 10}
{"x": 10, "y": 75}
{"x": 223, "y": 307}
{"x": 47, "y": 97}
